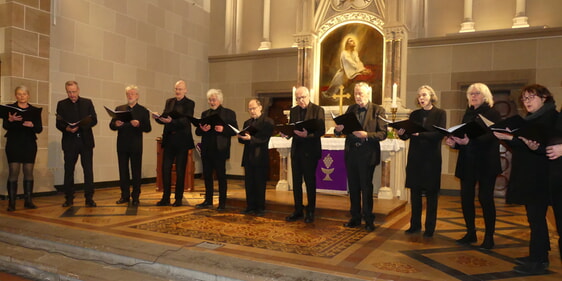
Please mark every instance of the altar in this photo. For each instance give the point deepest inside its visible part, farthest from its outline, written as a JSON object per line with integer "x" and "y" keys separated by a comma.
{"x": 331, "y": 175}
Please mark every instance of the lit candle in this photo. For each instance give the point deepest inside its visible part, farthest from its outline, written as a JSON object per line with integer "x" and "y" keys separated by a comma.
{"x": 394, "y": 95}
{"x": 294, "y": 91}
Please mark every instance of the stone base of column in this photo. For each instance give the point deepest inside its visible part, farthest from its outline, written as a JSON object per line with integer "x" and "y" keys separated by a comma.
{"x": 520, "y": 22}
{"x": 467, "y": 26}
{"x": 265, "y": 45}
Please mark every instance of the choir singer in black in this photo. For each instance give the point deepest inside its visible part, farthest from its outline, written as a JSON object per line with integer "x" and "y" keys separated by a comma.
{"x": 215, "y": 147}
{"x": 177, "y": 140}
{"x": 255, "y": 158}
{"x": 75, "y": 118}
{"x": 306, "y": 150}
{"x": 130, "y": 131}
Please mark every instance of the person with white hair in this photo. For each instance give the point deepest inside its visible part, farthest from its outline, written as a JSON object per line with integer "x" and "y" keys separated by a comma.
{"x": 478, "y": 164}
{"x": 215, "y": 147}
{"x": 362, "y": 155}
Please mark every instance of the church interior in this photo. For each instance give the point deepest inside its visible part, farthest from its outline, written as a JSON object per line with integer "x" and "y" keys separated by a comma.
{"x": 263, "y": 49}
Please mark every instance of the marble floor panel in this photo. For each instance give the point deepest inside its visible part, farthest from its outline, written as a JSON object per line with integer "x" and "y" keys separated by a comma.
{"x": 324, "y": 246}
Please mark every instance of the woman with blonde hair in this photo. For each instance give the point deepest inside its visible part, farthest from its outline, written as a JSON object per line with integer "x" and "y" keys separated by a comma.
{"x": 478, "y": 164}
{"x": 21, "y": 125}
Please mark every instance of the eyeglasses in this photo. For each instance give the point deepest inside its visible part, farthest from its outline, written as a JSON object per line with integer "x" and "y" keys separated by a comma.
{"x": 474, "y": 93}
{"x": 528, "y": 98}
{"x": 300, "y": 97}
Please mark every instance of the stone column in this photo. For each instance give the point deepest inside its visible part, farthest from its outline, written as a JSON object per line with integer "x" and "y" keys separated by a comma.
{"x": 395, "y": 40}
{"x": 467, "y": 24}
{"x": 265, "y": 43}
{"x": 520, "y": 20}
{"x": 24, "y": 56}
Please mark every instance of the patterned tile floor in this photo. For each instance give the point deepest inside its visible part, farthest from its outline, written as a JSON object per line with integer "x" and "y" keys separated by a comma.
{"x": 325, "y": 245}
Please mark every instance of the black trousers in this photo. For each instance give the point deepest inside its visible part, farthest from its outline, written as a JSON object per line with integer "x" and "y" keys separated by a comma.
{"x": 134, "y": 158}
{"x": 255, "y": 180}
{"x": 539, "y": 244}
{"x": 556, "y": 199}
{"x": 304, "y": 167}
{"x": 218, "y": 164}
{"x": 86, "y": 160}
{"x": 360, "y": 184}
{"x": 179, "y": 155}
{"x": 486, "y": 198}
{"x": 431, "y": 199}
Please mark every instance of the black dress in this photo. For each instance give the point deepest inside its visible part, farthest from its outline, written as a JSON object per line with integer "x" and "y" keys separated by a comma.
{"x": 423, "y": 169}
{"x": 21, "y": 141}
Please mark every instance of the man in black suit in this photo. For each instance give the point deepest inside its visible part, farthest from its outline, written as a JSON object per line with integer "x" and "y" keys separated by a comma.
{"x": 129, "y": 145}
{"x": 177, "y": 140}
{"x": 77, "y": 140}
{"x": 255, "y": 158}
{"x": 362, "y": 155}
{"x": 306, "y": 150}
{"x": 215, "y": 147}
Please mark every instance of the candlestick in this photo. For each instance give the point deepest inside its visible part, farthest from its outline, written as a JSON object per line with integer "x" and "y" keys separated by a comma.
{"x": 394, "y": 96}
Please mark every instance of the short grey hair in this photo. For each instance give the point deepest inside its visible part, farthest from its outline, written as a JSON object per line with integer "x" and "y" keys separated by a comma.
{"x": 215, "y": 92}
{"x": 132, "y": 87}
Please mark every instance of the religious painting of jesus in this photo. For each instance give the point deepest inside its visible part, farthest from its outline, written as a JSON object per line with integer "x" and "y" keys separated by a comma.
{"x": 350, "y": 54}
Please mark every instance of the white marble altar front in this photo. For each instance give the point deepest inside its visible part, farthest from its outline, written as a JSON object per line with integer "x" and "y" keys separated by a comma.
{"x": 392, "y": 150}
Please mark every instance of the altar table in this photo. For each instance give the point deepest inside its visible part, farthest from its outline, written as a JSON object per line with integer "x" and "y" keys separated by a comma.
{"x": 331, "y": 175}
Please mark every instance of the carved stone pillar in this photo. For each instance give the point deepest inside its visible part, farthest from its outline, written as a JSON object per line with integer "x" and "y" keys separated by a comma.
{"x": 266, "y": 43}
{"x": 467, "y": 24}
{"x": 304, "y": 44}
{"x": 395, "y": 51}
{"x": 520, "y": 19}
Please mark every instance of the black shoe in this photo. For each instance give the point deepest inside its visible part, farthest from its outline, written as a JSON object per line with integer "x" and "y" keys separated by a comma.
{"x": 28, "y": 204}
{"x": 68, "y": 203}
{"x": 370, "y": 227}
{"x": 488, "y": 243}
{"x": 91, "y": 203}
{"x": 309, "y": 218}
{"x": 525, "y": 260}
{"x": 221, "y": 208}
{"x": 469, "y": 237}
{"x": 135, "y": 203}
{"x": 163, "y": 202}
{"x": 532, "y": 268}
{"x": 260, "y": 213}
{"x": 412, "y": 230}
{"x": 352, "y": 224}
{"x": 294, "y": 217}
{"x": 247, "y": 211}
{"x": 122, "y": 201}
{"x": 205, "y": 204}
{"x": 177, "y": 203}
{"x": 428, "y": 233}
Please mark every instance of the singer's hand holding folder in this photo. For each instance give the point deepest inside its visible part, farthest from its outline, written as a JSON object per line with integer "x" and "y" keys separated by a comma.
{"x": 288, "y": 129}
{"x": 27, "y": 114}
{"x": 408, "y": 125}
{"x": 124, "y": 116}
{"x": 349, "y": 122}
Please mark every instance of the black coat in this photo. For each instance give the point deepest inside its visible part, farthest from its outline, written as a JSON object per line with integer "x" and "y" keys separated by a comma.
{"x": 214, "y": 143}
{"x": 529, "y": 180}
{"x": 312, "y": 144}
{"x": 129, "y": 138}
{"x": 423, "y": 169}
{"x": 376, "y": 130}
{"x": 74, "y": 112}
{"x": 17, "y": 133}
{"x": 480, "y": 158}
{"x": 178, "y": 132}
{"x": 256, "y": 149}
